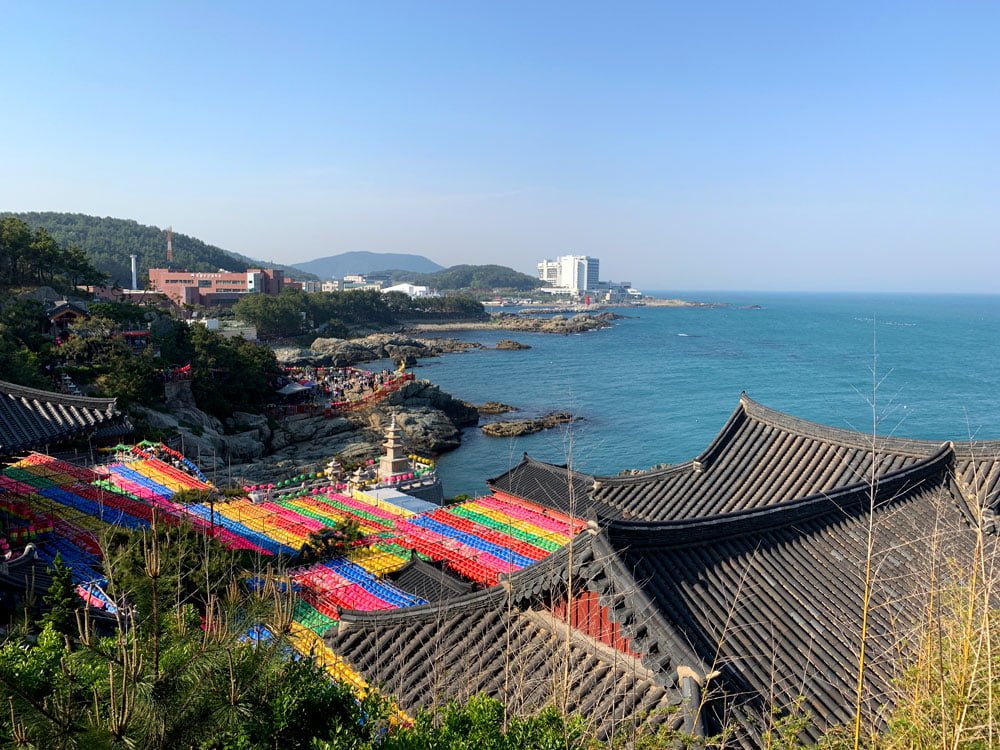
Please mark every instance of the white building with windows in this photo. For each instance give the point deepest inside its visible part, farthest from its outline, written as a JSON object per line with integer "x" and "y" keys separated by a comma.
{"x": 411, "y": 289}
{"x": 572, "y": 274}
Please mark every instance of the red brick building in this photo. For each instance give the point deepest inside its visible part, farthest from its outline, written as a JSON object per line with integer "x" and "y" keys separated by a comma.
{"x": 215, "y": 288}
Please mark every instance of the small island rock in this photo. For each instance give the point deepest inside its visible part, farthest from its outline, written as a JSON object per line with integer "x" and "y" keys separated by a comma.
{"x": 510, "y": 344}
{"x": 517, "y": 427}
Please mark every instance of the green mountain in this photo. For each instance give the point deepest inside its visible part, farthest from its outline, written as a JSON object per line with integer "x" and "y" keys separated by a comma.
{"x": 470, "y": 277}
{"x": 338, "y": 266}
{"x": 109, "y": 242}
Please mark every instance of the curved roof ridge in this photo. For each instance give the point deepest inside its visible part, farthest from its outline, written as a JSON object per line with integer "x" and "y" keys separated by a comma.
{"x": 482, "y": 598}
{"x": 527, "y": 460}
{"x": 37, "y": 394}
{"x": 696, "y": 531}
{"x": 474, "y": 600}
{"x": 713, "y": 447}
{"x": 642, "y": 476}
{"x": 974, "y": 449}
{"x": 851, "y": 438}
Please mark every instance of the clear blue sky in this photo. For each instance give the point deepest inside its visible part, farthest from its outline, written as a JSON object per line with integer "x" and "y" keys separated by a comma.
{"x": 696, "y": 145}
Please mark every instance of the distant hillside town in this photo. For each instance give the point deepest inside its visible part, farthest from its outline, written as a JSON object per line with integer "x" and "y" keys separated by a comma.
{"x": 573, "y": 276}
{"x": 222, "y": 287}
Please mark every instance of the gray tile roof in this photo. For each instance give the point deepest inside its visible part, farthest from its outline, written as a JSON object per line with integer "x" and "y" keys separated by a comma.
{"x": 32, "y": 418}
{"x": 753, "y": 569}
{"x": 555, "y": 486}
{"x": 437, "y": 653}
{"x": 430, "y": 582}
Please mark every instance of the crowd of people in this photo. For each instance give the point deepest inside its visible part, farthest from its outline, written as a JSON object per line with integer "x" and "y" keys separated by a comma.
{"x": 337, "y": 385}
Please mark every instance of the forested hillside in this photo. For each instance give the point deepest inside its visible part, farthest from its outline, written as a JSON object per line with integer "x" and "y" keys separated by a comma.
{"x": 108, "y": 243}
{"x": 471, "y": 277}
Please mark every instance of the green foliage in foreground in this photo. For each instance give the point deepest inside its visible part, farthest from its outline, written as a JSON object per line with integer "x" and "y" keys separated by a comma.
{"x": 209, "y": 691}
{"x": 482, "y": 723}
{"x": 178, "y": 671}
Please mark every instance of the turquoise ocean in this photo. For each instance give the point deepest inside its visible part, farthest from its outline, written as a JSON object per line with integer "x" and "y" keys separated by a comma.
{"x": 658, "y": 386}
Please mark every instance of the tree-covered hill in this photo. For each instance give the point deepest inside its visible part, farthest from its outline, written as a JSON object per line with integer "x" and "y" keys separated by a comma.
{"x": 109, "y": 242}
{"x": 471, "y": 277}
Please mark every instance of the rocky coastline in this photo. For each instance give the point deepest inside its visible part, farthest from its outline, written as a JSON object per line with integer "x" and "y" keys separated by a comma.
{"x": 334, "y": 352}
{"x": 495, "y": 407}
{"x": 579, "y": 323}
{"x": 254, "y": 448}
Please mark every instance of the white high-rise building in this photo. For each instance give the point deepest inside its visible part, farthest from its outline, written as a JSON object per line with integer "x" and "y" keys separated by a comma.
{"x": 575, "y": 273}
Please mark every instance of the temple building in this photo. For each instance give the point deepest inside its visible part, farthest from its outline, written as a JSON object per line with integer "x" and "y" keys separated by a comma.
{"x": 706, "y": 594}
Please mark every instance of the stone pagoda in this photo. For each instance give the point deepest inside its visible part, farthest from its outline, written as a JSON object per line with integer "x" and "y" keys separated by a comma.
{"x": 395, "y": 461}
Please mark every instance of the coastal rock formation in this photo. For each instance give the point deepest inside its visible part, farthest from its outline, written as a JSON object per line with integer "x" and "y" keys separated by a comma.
{"x": 290, "y": 355}
{"x": 533, "y": 324}
{"x": 203, "y": 437}
{"x": 510, "y": 344}
{"x": 242, "y": 420}
{"x": 345, "y": 352}
{"x": 495, "y": 407}
{"x": 428, "y": 429}
{"x": 424, "y": 394}
{"x": 518, "y": 427}
{"x": 578, "y": 323}
{"x": 431, "y": 421}
{"x": 254, "y": 448}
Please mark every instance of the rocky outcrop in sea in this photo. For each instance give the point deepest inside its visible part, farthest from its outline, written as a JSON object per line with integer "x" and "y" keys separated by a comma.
{"x": 579, "y": 323}
{"x": 518, "y": 427}
{"x": 511, "y": 345}
{"x": 495, "y": 407}
{"x": 345, "y": 352}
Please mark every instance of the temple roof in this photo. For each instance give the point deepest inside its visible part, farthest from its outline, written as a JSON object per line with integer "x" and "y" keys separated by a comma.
{"x": 761, "y": 457}
{"x": 26, "y": 573}
{"x": 32, "y": 418}
{"x": 763, "y": 601}
{"x": 772, "y": 597}
{"x": 555, "y": 486}
{"x": 453, "y": 651}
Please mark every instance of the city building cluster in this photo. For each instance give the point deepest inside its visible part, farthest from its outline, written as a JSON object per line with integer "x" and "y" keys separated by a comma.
{"x": 579, "y": 276}
{"x": 218, "y": 288}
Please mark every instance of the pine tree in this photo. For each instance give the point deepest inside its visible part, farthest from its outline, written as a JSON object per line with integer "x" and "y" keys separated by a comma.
{"x": 61, "y": 599}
